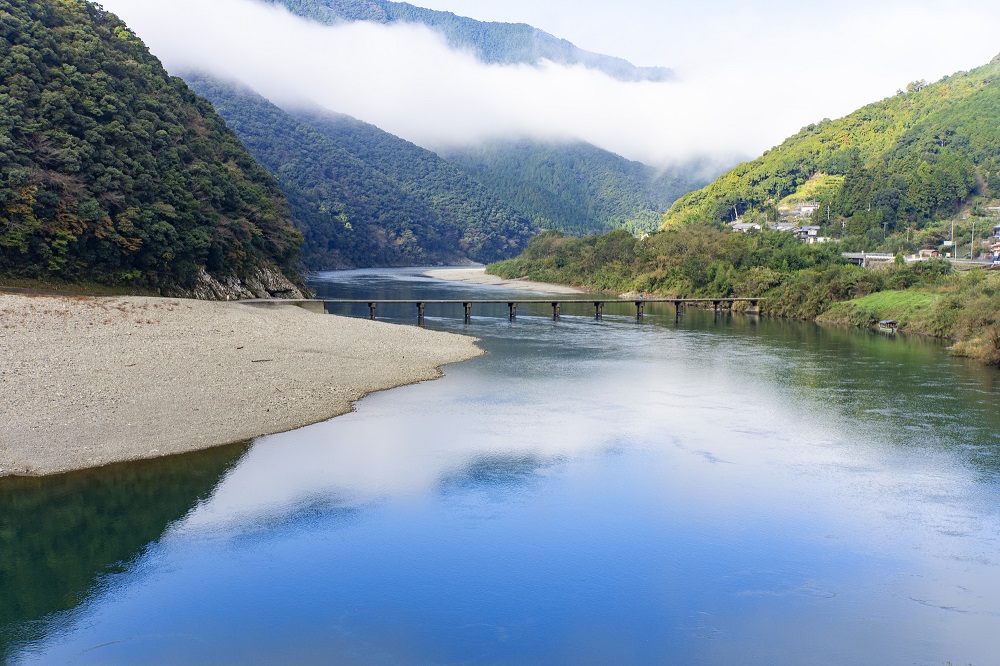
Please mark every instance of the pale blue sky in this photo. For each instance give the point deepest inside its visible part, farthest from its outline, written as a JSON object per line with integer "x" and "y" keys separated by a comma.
{"x": 927, "y": 39}
{"x": 750, "y": 74}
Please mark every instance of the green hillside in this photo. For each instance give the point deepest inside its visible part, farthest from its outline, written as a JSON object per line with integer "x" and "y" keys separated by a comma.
{"x": 905, "y": 162}
{"x": 574, "y": 187}
{"x": 363, "y": 197}
{"x": 112, "y": 171}
{"x": 493, "y": 43}
{"x": 891, "y": 174}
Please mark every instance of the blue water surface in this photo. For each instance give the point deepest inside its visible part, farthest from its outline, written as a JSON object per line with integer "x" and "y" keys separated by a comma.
{"x": 709, "y": 489}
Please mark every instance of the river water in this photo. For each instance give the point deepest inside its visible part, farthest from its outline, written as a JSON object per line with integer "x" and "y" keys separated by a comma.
{"x": 702, "y": 490}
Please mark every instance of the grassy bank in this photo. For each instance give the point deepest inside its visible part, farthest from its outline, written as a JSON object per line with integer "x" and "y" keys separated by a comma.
{"x": 965, "y": 309}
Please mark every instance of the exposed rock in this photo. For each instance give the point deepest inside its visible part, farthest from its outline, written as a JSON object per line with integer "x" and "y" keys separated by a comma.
{"x": 259, "y": 283}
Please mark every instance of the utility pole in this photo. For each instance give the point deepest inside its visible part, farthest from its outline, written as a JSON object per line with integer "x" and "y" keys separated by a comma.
{"x": 972, "y": 240}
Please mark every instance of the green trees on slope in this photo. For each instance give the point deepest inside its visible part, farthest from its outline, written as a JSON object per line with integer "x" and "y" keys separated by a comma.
{"x": 690, "y": 261}
{"x": 113, "y": 171}
{"x": 907, "y": 160}
{"x": 575, "y": 187}
{"x": 363, "y": 197}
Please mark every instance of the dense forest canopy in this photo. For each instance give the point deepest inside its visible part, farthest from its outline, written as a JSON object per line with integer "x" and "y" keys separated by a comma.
{"x": 576, "y": 187}
{"x": 111, "y": 170}
{"x": 363, "y": 197}
{"x": 899, "y": 163}
{"x": 493, "y": 43}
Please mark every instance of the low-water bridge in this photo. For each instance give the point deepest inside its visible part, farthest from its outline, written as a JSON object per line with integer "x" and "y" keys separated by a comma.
{"x": 556, "y": 304}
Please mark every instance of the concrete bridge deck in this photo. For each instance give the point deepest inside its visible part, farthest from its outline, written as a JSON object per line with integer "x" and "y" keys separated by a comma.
{"x": 319, "y": 304}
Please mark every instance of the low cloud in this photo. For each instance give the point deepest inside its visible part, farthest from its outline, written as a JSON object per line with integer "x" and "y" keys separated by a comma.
{"x": 406, "y": 80}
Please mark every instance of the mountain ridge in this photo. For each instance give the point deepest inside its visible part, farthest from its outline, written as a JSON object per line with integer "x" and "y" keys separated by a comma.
{"x": 495, "y": 43}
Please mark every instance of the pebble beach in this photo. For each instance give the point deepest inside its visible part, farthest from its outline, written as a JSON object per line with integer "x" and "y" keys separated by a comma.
{"x": 88, "y": 381}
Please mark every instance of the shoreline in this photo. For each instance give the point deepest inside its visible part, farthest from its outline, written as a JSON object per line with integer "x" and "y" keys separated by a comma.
{"x": 477, "y": 275}
{"x": 90, "y": 381}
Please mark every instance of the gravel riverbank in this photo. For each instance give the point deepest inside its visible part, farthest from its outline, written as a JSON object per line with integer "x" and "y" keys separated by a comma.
{"x": 478, "y": 275}
{"x": 89, "y": 381}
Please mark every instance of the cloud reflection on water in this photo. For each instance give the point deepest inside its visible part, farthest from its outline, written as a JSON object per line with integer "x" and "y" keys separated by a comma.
{"x": 700, "y": 490}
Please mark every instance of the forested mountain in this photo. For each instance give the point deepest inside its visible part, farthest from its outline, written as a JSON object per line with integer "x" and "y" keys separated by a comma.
{"x": 896, "y": 164}
{"x": 575, "y": 187}
{"x": 363, "y": 197}
{"x": 492, "y": 42}
{"x": 112, "y": 171}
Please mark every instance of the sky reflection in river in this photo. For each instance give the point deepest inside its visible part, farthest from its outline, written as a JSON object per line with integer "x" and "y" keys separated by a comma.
{"x": 697, "y": 492}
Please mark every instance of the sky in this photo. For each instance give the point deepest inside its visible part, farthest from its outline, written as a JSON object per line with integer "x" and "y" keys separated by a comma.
{"x": 749, "y": 74}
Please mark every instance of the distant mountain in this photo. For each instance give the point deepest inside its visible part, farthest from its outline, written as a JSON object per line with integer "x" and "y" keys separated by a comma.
{"x": 576, "y": 187}
{"x": 492, "y": 42}
{"x": 891, "y": 166}
{"x": 112, "y": 171}
{"x": 363, "y": 197}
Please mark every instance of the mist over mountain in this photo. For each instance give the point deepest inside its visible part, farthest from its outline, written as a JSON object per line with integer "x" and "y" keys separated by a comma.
{"x": 492, "y": 42}
{"x": 364, "y": 197}
{"x": 407, "y": 79}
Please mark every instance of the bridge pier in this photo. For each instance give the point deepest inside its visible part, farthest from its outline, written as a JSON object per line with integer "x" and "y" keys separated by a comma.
{"x": 749, "y": 305}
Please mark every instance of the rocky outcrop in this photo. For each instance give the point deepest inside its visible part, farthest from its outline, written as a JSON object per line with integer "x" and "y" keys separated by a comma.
{"x": 259, "y": 283}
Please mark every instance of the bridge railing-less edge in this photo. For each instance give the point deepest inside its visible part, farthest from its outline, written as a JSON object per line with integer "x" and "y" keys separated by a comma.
{"x": 319, "y": 304}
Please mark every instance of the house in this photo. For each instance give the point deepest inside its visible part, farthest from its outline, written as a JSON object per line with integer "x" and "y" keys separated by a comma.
{"x": 744, "y": 226}
{"x": 807, "y": 232}
{"x": 807, "y": 209}
{"x": 929, "y": 254}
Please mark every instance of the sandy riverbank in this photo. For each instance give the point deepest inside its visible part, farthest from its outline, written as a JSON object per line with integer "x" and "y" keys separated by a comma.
{"x": 89, "y": 381}
{"x": 479, "y": 276}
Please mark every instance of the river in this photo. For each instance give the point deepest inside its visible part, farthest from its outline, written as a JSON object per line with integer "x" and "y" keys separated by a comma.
{"x": 709, "y": 489}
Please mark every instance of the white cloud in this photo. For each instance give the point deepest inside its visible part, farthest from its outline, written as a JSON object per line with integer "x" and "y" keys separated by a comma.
{"x": 407, "y": 81}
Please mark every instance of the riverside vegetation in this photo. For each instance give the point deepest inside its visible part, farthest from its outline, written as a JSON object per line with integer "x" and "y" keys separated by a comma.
{"x": 800, "y": 281}
{"x": 894, "y": 176}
